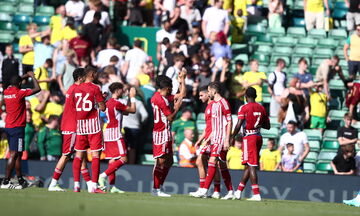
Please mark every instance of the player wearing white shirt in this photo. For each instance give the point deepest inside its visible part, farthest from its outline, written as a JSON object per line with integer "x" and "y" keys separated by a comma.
{"x": 215, "y": 19}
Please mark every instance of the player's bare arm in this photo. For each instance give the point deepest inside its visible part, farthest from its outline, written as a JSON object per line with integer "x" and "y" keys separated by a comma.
{"x": 236, "y": 130}
{"x": 36, "y": 88}
{"x": 228, "y": 135}
{"x": 132, "y": 107}
{"x": 266, "y": 124}
{"x": 177, "y": 106}
{"x": 182, "y": 87}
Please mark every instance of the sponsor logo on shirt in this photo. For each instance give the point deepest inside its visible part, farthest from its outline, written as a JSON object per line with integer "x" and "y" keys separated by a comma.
{"x": 9, "y": 96}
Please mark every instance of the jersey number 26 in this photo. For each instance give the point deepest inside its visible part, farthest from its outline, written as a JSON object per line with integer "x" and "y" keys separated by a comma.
{"x": 86, "y": 105}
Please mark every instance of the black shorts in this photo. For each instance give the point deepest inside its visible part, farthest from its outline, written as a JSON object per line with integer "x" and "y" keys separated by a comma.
{"x": 354, "y": 67}
{"x": 27, "y": 68}
{"x": 16, "y": 138}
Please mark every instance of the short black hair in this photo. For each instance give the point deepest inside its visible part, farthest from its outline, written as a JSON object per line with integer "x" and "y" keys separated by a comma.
{"x": 97, "y": 15}
{"x": 203, "y": 89}
{"x": 163, "y": 81}
{"x": 138, "y": 43}
{"x": 78, "y": 73}
{"x": 115, "y": 86}
{"x": 49, "y": 62}
{"x": 292, "y": 123}
{"x": 114, "y": 58}
{"x": 239, "y": 62}
{"x": 89, "y": 69}
{"x": 289, "y": 144}
{"x": 53, "y": 118}
{"x": 216, "y": 85}
{"x": 250, "y": 93}
{"x": 272, "y": 140}
{"x": 15, "y": 80}
{"x": 280, "y": 60}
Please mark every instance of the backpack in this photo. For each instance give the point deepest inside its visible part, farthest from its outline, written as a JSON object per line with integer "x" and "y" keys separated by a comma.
{"x": 285, "y": 80}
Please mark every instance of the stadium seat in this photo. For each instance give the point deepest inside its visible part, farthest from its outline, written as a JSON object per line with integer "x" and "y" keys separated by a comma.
{"x": 263, "y": 59}
{"x": 272, "y": 133}
{"x": 255, "y": 30}
{"x": 314, "y": 146}
{"x": 41, "y": 20}
{"x": 337, "y": 114}
{"x": 323, "y": 52}
{"x": 330, "y": 145}
{"x": 317, "y": 61}
{"x": 21, "y": 18}
{"x": 307, "y": 42}
{"x": 243, "y": 57}
{"x": 276, "y": 32}
{"x": 27, "y": 1}
{"x": 147, "y": 159}
{"x": 298, "y": 5}
{"x": 340, "y": 5}
{"x": 309, "y": 167}
{"x": 330, "y": 135}
{"x": 338, "y": 33}
{"x": 16, "y": 47}
{"x": 286, "y": 41}
{"x": 45, "y": 11}
{"x": 302, "y": 51}
{"x": 336, "y": 84}
{"x": 339, "y": 13}
{"x": 298, "y": 22}
{"x": 313, "y": 134}
{"x": 200, "y": 116}
{"x": 263, "y": 40}
{"x": 311, "y": 157}
{"x": 26, "y": 9}
{"x": 317, "y": 33}
{"x": 340, "y": 53}
{"x": 274, "y": 122}
{"x": 200, "y": 125}
{"x": 12, "y": 2}
{"x": 275, "y": 57}
{"x": 6, "y": 37}
{"x": 239, "y": 48}
{"x": 323, "y": 167}
{"x": 264, "y": 49}
{"x": 282, "y": 50}
{"x": 327, "y": 43}
{"x": 7, "y": 27}
{"x": 326, "y": 156}
{"x": 4, "y": 17}
{"x": 296, "y": 32}
{"x": 334, "y": 104}
{"x": 7, "y": 8}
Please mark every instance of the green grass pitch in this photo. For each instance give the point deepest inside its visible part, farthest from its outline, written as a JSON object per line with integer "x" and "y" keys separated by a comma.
{"x": 36, "y": 201}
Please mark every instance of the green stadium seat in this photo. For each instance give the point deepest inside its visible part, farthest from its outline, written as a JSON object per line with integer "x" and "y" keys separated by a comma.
{"x": 286, "y": 41}
{"x": 26, "y": 9}
{"x": 41, "y": 20}
{"x": 272, "y": 133}
{"x": 311, "y": 157}
{"x": 275, "y": 56}
{"x": 243, "y": 57}
{"x": 264, "y": 49}
{"x": 293, "y": 70}
{"x": 334, "y": 104}
{"x": 298, "y": 22}
{"x": 263, "y": 40}
{"x": 317, "y": 61}
{"x": 307, "y": 42}
{"x": 339, "y": 13}
{"x": 16, "y": 47}
{"x": 330, "y": 145}
{"x": 263, "y": 59}
{"x": 298, "y": 5}
{"x": 4, "y": 17}
{"x": 328, "y": 43}
{"x": 340, "y": 53}
{"x": 326, "y": 156}
{"x": 302, "y": 51}
{"x": 255, "y": 30}
{"x": 13, "y": 2}
{"x": 323, "y": 167}
{"x": 282, "y": 50}
{"x": 264, "y": 69}
{"x": 201, "y": 116}
{"x": 340, "y": 5}
{"x": 309, "y": 167}
{"x": 313, "y": 134}
{"x": 296, "y": 32}
{"x": 323, "y": 52}
{"x": 330, "y": 135}
{"x": 336, "y": 84}
{"x": 274, "y": 122}
{"x": 337, "y": 114}
{"x": 317, "y": 33}
{"x": 27, "y": 1}
{"x": 7, "y": 8}
{"x": 147, "y": 159}
{"x": 200, "y": 125}
{"x": 21, "y": 18}
{"x": 45, "y": 11}
{"x": 239, "y": 48}
{"x": 7, "y": 27}
{"x": 338, "y": 34}
{"x": 314, "y": 146}
{"x": 6, "y": 37}
{"x": 276, "y": 32}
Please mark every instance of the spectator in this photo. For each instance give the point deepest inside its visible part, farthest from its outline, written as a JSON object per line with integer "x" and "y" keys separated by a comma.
{"x": 255, "y": 79}
{"x": 135, "y": 12}
{"x": 134, "y": 58}
{"x": 353, "y": 58}
{"x": 93, "y": 31}
{"x": 50, "y": 140}
{"x": 29, "y": 133}
{"x": 43, "y": 51}
{"x": 187, "y": 150}
{"x": 204, "y": 77}
{"x": 80, "y": 46}
{"x": 327, "y": 71}
{"x": 165, "y": 32}
{"x": 220, "y": 48}
{"x": 353, "y": 15}
{"x": 290, "y": 161}
{"x": 144, "y": 76}
{"x": 75, "y": 9}
{"x": 103, "y": 57}
{"x": 57, "y": 25}
{"x": 65, "y": 78}
{"x": 305, "y": 78}
{"x": 59, "y": 57}
{"x": 314, "y": 13}
{"x": 234, "y": 155}
{"x": 277, "y": 84}
{"x": 319, "y": 110}
{"x": 190, "y": 13}
{"x": 254, "y": 7}
{"x": 52, "y": 107}
{"x": 163, "y": 8}
{"x": 276, "y": 10}
{"x": 114, "y": 60}
{"x": 3, "y": 144}
{"x": 178, "y": 23}
{"x": 173, "y": 71}
{"x": 120, "y": 11}
{"x": 215, "y": 19}
{"x": 95, "y": 6}
{"x": 26, "y": 47}
{"x": 238, "y": 25}
{"x": 179, "y": 125}
{"x": 237, "y": 90}
{"x": 69, "y": 32}
{"x": 10, "y": 66}
{"x": 37, "y": 106}
{"x": 353, "y": 99}
{"x": 298, "y": 139}
{"x": 270, "y": 157}
{"x": 344, "y": 162}
{"x": 347, "y": 135}
{"x": 42, "y": 74}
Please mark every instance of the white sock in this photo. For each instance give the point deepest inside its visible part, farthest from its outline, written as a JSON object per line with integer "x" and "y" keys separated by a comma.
{"x": 76, "y": 184}
{"x": 103, "y": 175}
{"x": 53, "y": 183}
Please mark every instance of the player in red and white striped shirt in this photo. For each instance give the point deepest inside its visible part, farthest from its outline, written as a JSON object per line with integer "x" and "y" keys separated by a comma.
{"x": 115, "y": 148}
{"x": 68, "y": 128}
{"x": 163, "y": 116}
{"x": 87, "y": 97}
{"x": 221, "y": 125}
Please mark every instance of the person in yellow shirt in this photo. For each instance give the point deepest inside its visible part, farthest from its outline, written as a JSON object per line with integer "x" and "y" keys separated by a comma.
{"x": 42, "y": 74}
{"x": 255, "y": 79}
{"x": 234, "y": 155}
{"x": 69, "y": 32}
{"x": 238, "y": 25}
{"x": 3, "y": 145}
{"x": 318, "y": 112}
{"x": 270, "y": 157}
{"x": 57, "y": 24}
{"x": 26, "y": 47}
{"x": 37, "y": 106}
{"x": 53, "y": 107}
{"x": 314, "y": 13}
{"x": 240, "y": 4}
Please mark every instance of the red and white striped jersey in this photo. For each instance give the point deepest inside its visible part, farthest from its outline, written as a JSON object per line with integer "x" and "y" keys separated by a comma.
{"x": 68, "y": 120}
{"x": 221, "y": 115}
{"x": 208, "y": 120}
{"x": 161, "y": 109}
{"x": 114, "y": 109}
{"x": 85, "y": 98}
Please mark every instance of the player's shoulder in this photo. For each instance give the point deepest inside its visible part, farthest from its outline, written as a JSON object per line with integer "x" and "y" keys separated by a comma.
{"x": 225, "y": 103}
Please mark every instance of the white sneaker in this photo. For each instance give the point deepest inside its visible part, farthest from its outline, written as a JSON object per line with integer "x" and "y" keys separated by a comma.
{"x": 237, "y": 194}
{"x": 256, "y": 197}
{"x": 90, "y": 186}
{"x": 216, "y": 195}
{"x": 192, "y": 193}
{"x": 201, "y": 193}
{"x": 159, "y": 193}
{"x": 229, "y": 196}
{"x": 11, "y": 186}
{"x": 56, "y": 188}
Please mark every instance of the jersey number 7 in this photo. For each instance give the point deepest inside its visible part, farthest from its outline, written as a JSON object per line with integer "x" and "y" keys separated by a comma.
{"x": 258, "y": 114}
{"x": 86, "y": 105}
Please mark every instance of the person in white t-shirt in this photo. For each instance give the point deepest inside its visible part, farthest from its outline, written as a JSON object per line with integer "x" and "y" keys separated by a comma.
{"x": 75, "y": 9}
{"x": 298, "y": 138}
{"x": 215, "y": 19}
{"x": 134, "y": 58}
{"x": 103, "y": 57}
{"x": 277, "y": 84}
{"x": 96, "y": 7}
{"x": 165, "y": 32}
{"x": 190, "y": 13}
{"x": 173, "y": 71}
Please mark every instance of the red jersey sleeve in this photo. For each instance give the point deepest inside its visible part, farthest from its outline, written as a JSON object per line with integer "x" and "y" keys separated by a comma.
{"x": 24, "y": 93}
{"x": 120, "y": 106}
{"x": 241, "y": 112}
{"x": 165, "y": 108}
{"x": 226, "y": 109}
{"x": 171, "y": 98}
{"x": 98, "y": 95}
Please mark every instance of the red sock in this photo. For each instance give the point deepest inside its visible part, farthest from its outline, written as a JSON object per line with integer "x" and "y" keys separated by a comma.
{"x": 202, "y": 182}
{"x": 255, "y": 189}
{"x": 85, "y": 174}
{"x": 76, "y": 168}
{"x": 95, "y": 168}
{"x": 112, "y": 179}
{"x": 227, "y": 179}
{"x": 113, "y": 167}
{"x": 57, "y": 174}
{"x": 217, "y": 186}
{"x": 165, "y": 172}
{"x": 210, "y": 175}
{"x": 157, "y": 175}
{"x": 241, "y": 186}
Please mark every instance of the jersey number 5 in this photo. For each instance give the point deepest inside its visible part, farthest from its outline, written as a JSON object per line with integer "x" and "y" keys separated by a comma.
{"x": 86, "y": 105}
{"x": 258, "y": 114}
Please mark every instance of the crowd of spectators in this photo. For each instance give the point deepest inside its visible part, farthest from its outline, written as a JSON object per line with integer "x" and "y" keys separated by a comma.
{"x": 195, "y": 35}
